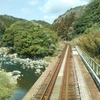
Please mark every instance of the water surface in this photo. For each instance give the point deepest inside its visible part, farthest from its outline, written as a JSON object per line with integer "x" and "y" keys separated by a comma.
{"x": 27, "y": 78}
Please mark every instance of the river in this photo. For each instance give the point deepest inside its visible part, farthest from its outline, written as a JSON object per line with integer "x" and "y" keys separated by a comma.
{"x": 27, "y": 78}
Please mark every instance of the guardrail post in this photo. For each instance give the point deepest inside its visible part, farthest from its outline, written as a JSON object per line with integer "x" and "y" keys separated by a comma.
{"x": 97, "y": 69}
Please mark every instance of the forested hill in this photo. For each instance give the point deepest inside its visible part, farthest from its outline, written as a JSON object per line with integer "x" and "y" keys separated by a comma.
{"x": 43, "y": 23}
{"x": 88, "y": 27}
{"x": 63, "y": 25}
{"x": 27, "y": 38}
{"x": 77, "y": 20}
{"x": 77, "y": 10}
{"x": 37, "y": 38}
{"x": 90, "y": 18}
{"x": 84, "y": 22}
{"x": 6, "y": 21}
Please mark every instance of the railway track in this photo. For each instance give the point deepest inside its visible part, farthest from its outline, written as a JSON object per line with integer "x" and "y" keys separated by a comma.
{"x": 69, "y": 89}
{"x": 66, "y": 78}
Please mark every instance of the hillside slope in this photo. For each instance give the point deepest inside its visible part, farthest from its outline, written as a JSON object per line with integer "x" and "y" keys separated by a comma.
{"x": 90, "y": 18}
{"x": 29, "y": 39}
{"x": 78, "y": 10}
{"x": 88, "y": 27}
{"x": 6, "y": 21}
{"x": 84, "y": 26}
{"x": 63, "y": 25}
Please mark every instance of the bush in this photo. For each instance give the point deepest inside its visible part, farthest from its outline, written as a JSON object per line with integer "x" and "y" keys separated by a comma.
{"x": 91, "y": 44}
{"x": 6, "y": 88}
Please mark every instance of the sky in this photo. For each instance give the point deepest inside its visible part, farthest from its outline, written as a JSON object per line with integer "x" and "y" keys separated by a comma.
{"x": 47, "y": 10}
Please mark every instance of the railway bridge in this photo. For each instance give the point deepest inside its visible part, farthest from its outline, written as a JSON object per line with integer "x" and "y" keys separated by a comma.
{"x": 71, "y": 76}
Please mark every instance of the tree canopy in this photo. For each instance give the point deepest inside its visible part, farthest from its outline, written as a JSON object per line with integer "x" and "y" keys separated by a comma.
{"x": 90, "y": 17}
{"x": 63, "y": 28}
{"x": 29, "y": 40}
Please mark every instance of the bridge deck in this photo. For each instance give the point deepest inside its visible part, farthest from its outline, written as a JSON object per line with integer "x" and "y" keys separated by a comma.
{"x": 58, "y": 83}
{"x": 87, "y": 87}
{"x": 38, "y": 83}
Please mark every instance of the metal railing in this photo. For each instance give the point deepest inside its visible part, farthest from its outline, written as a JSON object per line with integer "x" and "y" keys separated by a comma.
{"x": 92, "y": 66}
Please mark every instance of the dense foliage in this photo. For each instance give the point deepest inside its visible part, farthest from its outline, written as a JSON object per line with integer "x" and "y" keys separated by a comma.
{"x": 64, "y": 27}
{"x": 30, "y": 40}
{"x": 89, "y": 25}
{"x": 6, "y": 87}
{"x": 91, "y": 44}
{"x": 90, "y": 17}
{"x": 6, "y": 21}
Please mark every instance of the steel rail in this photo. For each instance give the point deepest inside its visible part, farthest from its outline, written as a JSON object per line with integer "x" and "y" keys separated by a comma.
{"x": 50, "y": 80}
{"x": 50, "y": 86}
{"x": 63, "y": 92}
{"x": 69, "y": 88}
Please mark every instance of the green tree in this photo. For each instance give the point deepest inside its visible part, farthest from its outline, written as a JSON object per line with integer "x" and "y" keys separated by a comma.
{"x": 29, "y": 40}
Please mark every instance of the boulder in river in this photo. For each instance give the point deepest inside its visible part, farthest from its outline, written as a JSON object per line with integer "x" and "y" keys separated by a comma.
{"x": 16, "y": 72}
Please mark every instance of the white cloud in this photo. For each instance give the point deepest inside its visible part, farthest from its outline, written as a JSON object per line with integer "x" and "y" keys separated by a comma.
{"x": 49, "y": 17}
{"x": 33, "y": 2}
{"x": 25, "y": 11}
{"x": 56, "y": 6}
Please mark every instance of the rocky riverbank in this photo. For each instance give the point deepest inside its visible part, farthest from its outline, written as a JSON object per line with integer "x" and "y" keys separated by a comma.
{"x": 29, "y": 64}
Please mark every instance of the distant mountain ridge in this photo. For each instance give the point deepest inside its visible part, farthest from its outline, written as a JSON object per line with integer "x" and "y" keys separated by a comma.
{"x": 29, "y": 39}
{"x": 73, "y": 22}
{"x": 63, "y": 25}
{"x": 78, "y": 10}
{"x": 6, "y": 21}
{"x": 78, "y": 20}
{"x": 90, "y": 18}
{"x": 41, "y": 23}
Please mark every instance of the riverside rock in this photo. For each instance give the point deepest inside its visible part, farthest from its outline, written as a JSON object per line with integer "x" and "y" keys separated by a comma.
{"x": 16, "y": 72}
{"x": 3, "y": 50}
{"x": 25, "y": 63}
